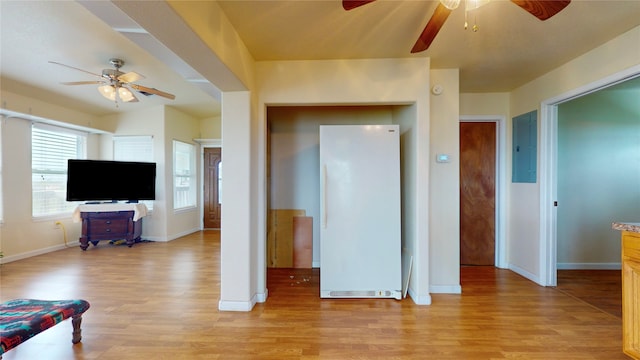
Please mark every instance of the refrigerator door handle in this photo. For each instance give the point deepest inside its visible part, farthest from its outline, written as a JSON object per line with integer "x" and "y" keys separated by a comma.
{"x": 324, "y": 196}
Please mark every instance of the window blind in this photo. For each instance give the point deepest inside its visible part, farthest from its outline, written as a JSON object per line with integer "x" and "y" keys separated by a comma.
{"x": 134, "y": 148}
{"x": 51, "y": 147}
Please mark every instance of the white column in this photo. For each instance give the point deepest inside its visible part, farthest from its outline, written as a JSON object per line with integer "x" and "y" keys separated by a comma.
{"x": 236, "y": 291}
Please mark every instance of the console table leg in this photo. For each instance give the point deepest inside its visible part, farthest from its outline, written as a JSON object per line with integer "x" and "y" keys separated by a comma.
{"x": 84, "y": 243}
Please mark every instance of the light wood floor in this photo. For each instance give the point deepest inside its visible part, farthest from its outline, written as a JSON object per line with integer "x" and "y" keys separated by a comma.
{"x": 159, "y": 301}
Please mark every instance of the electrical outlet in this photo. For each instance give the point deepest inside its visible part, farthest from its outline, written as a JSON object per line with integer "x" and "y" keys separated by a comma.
{"x": 56, "y": 224}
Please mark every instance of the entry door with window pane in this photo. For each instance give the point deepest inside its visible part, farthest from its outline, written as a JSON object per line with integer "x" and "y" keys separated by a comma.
{"x": 212, "y": 187}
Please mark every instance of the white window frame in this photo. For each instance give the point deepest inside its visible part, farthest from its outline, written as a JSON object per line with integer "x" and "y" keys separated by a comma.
{"x": 2, "y": 121}
{"x": 134, "y": 148}
{"x": 184, "y": 175}
{"x": 51, "y": 160}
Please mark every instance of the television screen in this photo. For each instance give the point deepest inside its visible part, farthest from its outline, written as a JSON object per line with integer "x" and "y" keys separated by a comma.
{"x": 104, "y": 180}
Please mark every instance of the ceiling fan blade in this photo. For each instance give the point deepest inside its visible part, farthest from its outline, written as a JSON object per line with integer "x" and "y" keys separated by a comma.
{"x": 130, "y": 77}
{"x": 75, "y": 68}
{"x": 431, "y": 30}
{"x": 82, "y": 82}
{"x": 352, "y": 4}
{"x": 145, "y": 90}
{"x": 542, "y": 9}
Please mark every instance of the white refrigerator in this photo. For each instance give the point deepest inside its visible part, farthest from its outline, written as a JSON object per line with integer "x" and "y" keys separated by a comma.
{"x": 360, "y": 248}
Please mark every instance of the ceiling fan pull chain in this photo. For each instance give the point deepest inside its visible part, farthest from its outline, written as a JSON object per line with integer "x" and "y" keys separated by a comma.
{"x": 475, "y": 26}
{"x": 466, "y": 13}
{"x": 115, "y": 98}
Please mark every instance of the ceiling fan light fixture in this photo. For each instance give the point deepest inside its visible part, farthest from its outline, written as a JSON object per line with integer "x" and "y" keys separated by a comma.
{"x": 125, "y": 95}
{"x": 108, "y": 91}
{"x": 450, "y": 4}
{"x": 474, "y": 4}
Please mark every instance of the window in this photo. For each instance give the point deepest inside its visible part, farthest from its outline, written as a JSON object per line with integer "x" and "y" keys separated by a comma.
{"x": 51, "y": 147}
{"x": 184, "y": 177}
{"x": 134, "y": 148}
{"x": 1, "y": 190}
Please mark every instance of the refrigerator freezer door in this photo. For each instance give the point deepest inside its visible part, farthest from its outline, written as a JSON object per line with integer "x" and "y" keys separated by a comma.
{"x": 360, "y": 250}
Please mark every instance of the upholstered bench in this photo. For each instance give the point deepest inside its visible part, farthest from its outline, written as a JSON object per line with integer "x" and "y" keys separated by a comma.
{"x": 22, "y": 319}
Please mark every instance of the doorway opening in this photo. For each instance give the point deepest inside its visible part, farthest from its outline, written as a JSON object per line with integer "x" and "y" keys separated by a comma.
{"x": 549, "y": 174}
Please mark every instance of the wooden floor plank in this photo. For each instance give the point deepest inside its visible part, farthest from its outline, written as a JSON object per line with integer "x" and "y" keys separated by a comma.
{"x": 159, "y": 301}
{"x": 600, "y": 288}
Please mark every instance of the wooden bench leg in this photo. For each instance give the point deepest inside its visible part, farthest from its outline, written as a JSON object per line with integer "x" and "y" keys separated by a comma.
{"x": 76, "y": 321}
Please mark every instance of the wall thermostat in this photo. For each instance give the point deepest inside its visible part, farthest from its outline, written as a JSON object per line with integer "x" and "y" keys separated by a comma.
{"x": 443, "y": 158}
{"x": 437, "y": 89}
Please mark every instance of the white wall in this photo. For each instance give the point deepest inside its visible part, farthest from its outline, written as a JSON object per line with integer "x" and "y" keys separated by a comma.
{"x": 145, "y": 122}
{"x": 240, "y": 270}
{"x": 406, "y": 117}
{"x": 165, "y": 124}
{"x": 528, "y": 251}
{"x": 397, "y": 82}
{"x": 182, "y": 127}
{"x": 598, "y": 175}
{"x": 35, "y": 109}
{"x": 294, "y": 154}
{"x": 211, "y": 128}
{"x": 23, "y": 236}
{"x": 485, "y": 104}
{"x": 444, "y": 184}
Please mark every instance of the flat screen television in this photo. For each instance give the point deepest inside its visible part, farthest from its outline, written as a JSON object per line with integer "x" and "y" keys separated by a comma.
{"x": 105, "y": 180}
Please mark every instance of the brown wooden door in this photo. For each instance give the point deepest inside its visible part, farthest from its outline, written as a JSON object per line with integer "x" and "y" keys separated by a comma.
{"x": 477, "y": 193}
{"x": 212, "y": 206}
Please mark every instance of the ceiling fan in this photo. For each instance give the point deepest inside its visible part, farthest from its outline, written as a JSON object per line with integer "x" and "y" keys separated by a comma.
{"x": 541, "y": 9}
{"x": 116, "y": 84}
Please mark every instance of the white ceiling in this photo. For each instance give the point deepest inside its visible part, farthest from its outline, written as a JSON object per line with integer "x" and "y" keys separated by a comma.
{"x": 511, "y": 47}
{"x": 35, "y": 32}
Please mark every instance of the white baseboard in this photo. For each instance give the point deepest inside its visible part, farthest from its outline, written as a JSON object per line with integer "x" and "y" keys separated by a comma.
{"x": 420, "y": 299}
{"x": 262, "y": 297}
{"x": 589, "y": 266}
{"x": 445, "y": 289}
{"x": 155, "y": 238}
{"x": 170, "y": 238}
{"x": 315, "y": 264}
{"x": 226, "y": 305}
{"x": 182, "y": 233}
{"x": 520, "y": 271}
{"x": 28, "y": 254}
